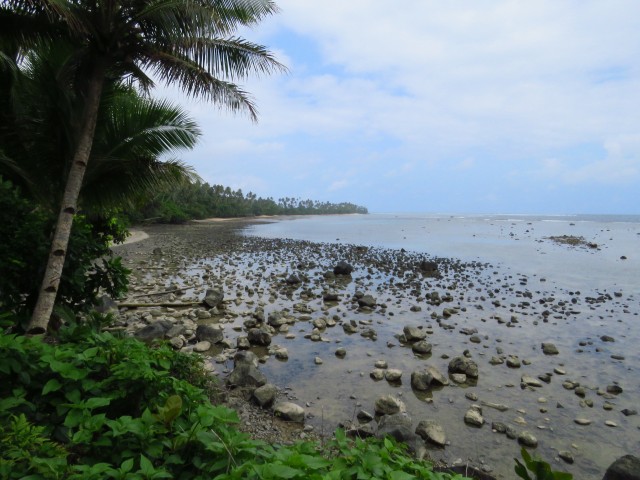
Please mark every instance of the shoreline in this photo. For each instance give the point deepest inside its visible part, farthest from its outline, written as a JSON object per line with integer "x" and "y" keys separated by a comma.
{"x": 254, "y": 274}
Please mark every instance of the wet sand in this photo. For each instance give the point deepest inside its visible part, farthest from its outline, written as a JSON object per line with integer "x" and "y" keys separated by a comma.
{"x": 494, "y": 315}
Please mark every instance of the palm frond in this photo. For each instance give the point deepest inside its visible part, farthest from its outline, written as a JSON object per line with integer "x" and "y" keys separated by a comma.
{"x": 196, "y": 81}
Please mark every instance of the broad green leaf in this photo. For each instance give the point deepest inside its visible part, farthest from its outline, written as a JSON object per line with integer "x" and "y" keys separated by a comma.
{"x": 52, "y": 385}
{"x": 127, "y": 465}
{"x": 97, "y": 402}
{"x": 146, "y": 467}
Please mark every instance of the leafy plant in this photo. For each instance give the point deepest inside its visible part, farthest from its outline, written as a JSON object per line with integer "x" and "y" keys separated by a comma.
{"x": 535, "y": 469}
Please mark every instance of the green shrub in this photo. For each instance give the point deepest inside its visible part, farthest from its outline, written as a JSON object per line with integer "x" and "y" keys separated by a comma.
{"x": 535, "y": 469}
{"x": 91, "y": 405}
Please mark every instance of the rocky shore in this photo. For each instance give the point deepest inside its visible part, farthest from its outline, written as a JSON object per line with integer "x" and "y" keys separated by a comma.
{"x": 465, "y": 362}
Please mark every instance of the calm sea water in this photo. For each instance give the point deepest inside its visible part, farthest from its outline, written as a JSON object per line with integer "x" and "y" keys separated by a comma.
{"x": 512, "y": 245}
{"x": 518, "y": 241}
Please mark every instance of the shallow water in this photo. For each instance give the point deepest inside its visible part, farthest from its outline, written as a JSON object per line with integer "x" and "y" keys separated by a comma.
{"x": 515, "y": 247}
{"x": 509, "y": 269}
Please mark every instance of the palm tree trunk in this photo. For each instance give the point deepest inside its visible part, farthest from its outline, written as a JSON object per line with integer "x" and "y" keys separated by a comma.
{"x": 51, "y": 281}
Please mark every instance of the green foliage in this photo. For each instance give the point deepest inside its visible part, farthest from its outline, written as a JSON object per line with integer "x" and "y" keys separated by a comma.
{"x": 178, "y": 203}
{"x": 24, "y": 243}
{"x": 535, "y": 469}
{"x": 97, "y": 406}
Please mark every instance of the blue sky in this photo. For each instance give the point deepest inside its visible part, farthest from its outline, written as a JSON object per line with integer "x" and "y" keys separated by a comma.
{"x": 473, "y": 106}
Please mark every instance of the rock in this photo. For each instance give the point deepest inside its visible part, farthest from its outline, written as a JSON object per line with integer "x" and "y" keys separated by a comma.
{"x": 289, "y": 411}
{"x": 396, "y": 425}
{"x": 473, "y": 416}
{"x": 549, "y": 349}
{"x": 388, "y": 405}
{"x": 413, "y": 334}
{"x": 331, "y": 297}
{"x": 259, "y": 336}
{"x": 422, "y": 347}
{"x": 393, "y": 375}
{"x": 277, "y": 319}
{"x": 513, "y": 362}
{"x": 209, "y": 333}
{"x": 106, "y": 304}
{"x": 381, "y": 364}
{"x": 627, "y": 412}
{"x": 364, "y": 416}
{"x": 614, "y": 389}
{"x": 245, "y": 357}
{"x": 202, "y": 346}
{"x": 243, "y": 343}
{"x": 566, "y": 455}
{"x": 431, "y": 432}
{"x": 175, "y": 331}
{"x": 527, "y": 439}
{"x": 607, "y": 338}
{"x": 341, "y": 352}
{"x": 530, "y": 381}
{"x": 213, "y": 298}
{"x": 246, "y": 376}
{"x": 582, "y": 421}
{"x": 281, "y": 354}
{"x": 624, "y": 468}
{"x": 318, "y": 361}
{"x": 152, "y": 332}
{"x": 293, "y": 279}
{"x": 496, "y": 361}
{"x": 157, "y": 251}
{"x": 427, "y": 378}
{"x": 177, "y": 343}
{"x": 367, "y": 301}
{"x": 377, "y": 374}
{"x": 428, "y": 268}
{"x": 458, "y": 377}
{"x": 464, "y": 365}
{"x": 342, "y": 268}
{"x": 265, "y": 395}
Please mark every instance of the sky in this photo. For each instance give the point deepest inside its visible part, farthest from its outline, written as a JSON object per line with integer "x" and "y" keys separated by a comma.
{"x": 467, "y": 106}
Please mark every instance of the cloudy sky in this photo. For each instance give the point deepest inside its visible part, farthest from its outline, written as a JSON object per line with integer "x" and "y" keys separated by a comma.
{"x": 472, "y": 106}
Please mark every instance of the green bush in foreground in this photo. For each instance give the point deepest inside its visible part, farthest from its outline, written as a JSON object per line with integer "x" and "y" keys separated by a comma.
{"x": 98, "y": 406}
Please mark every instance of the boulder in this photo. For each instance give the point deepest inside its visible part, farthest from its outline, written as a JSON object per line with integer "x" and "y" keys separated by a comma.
{"x": 289, "y": 411}
{"x": 624, "y": 468}
{"x": 245, "y": 357}
{"x": 265, "y": 395}
{"x": 413, "y": 334}
{"x": 421, "y": 347}
{"x": 431, "y": 432}
{"x": 213, "y": 297}
{"x": 209, "y": 333}
{"x": 397, "y": 425}
{"x": 388, "y": 405}
{"x": 367, "y": 301}
{"x": 527, "y": 439}
{"x": 342, "y": 268}
{"x": 549, "y": 349}
{"x": 473, "y": 416}
{"x": 155, "y": 331}
{"x": 464, "y": 365}
{"x": 428, "y": 378}
{"x": 246, "y": 376}
{"x": 428, "y": 267}
{"x": 259, "y": 336}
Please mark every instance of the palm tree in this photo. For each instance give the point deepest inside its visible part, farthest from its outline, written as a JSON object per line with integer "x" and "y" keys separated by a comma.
{"x": 186, "y": 42}
{"x": 133, "y": 136}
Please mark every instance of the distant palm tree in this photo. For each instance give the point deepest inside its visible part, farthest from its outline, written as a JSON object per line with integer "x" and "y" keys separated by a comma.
{"x": 188, "y": 42}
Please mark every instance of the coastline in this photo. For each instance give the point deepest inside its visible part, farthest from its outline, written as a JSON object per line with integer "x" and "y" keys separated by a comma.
{"x": 253, "y": 273}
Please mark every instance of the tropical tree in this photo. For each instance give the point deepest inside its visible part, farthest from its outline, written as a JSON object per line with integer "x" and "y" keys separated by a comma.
{"x": 134, "y": 135}
{"x": 190, "y": 43}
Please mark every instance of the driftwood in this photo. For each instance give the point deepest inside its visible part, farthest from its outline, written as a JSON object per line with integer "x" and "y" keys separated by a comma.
{"x": 160, "y": 304}
{"x": 161, "y": 293}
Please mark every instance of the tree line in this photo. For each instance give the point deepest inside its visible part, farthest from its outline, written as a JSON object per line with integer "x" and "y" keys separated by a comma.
{"x": 198, "y": 200}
